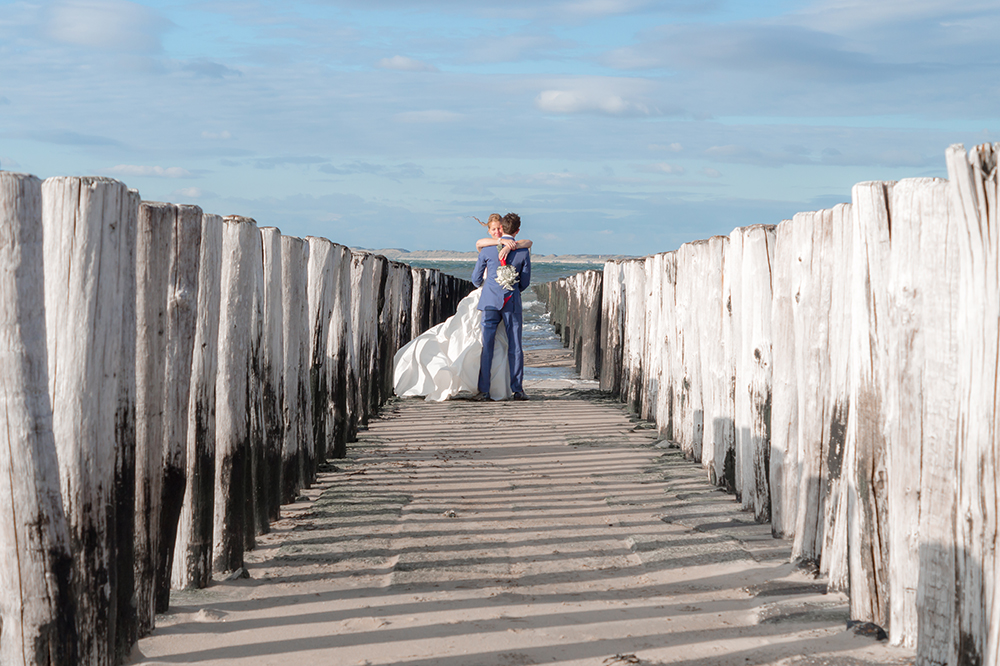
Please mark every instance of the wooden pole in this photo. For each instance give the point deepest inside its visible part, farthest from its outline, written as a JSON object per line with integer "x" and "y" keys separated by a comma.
{"x": 923, "y": 409}
{"x": 654, "y": 374}
{"x": 38, "y": 609}
{"x": 612, "y": 328}
{"x": 635, "y": 325}
{"x": 784, "y": 379}
{"x": 834, "y": 560}
{"x": 126, "y": 631}
{"x": 192, "y": 565}
{"x": 339, "y": 348}
{"x": 589, "y": 350}
{"x": 297, "y": 438}
{"x": 153, "y": 248}
{"x": 321, "y": 295}
{"x": 83, "y": 223}
{"x": 167, "y": 258}
{"x": 714, "y": 384}
{"x": 976, "y": 637}
{"x": 732, "y": 293}
{"x": 420, "y": 310}
{"x": 364, "y": 314}
{"x": 181, "y": 319}
{"x": 272, "y": 371}
{"x": 865, "y": 450}
{"x": 811, "y": 325}
{"x": 259, "y": 477}
{"x": 232, "y": 391}
{"x": 753, "y": 374}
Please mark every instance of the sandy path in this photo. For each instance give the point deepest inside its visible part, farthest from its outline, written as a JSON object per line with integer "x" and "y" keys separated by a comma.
{"x": 551, "y": 531}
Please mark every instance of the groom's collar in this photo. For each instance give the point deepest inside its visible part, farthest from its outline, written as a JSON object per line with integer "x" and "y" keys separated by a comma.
{"x": 506, "y": 236}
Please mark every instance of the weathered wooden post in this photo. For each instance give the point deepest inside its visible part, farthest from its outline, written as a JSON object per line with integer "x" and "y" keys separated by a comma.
{"x": 670, "y": 406}
{"x": 865, "y": 450}
{"x": 84, "y": 223}
{"x": 691, "y": 278}
{"x": 811, "y": 358}
{"x": 976, "y": 635}
{"x": 811, "y": 286}
{"x": 395, "y": 322}
{"x": 732, "y": 294}
{"x": 192, "y": 566}
{"x": 272, "y": 371}
{"x": 656, "y": 374}
{"x": 588, "y": 353}
{"x": 834, "y": 560}
{"x": 635, "y": 325}
{"x": 753, "y": 369}
{"x": 380, "y": 297}
{"x": 233, "y": 502}
{"x": 923, "y": 409}
{"x": 167, "y": 255}
{"x": 612, "y": 327}
{"x": 321, "y": 295}
{"x": 258, "y": 480}
{"x": 153, "y": 244}
{"x": 716, "y": 389}
{"x": 37, "y": 609}
{"x": 420, "y": 318}
{"x": 784, "y": 378}
{"x": 126, "y": 618}
{"x": 364, "y": 314}
{"x": 297, "y": 439}
{"x": 339, "y": 347}
{"x": 181, "y": 312}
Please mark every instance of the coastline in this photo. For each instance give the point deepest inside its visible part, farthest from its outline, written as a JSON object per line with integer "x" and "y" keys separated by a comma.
{"x": 405, "y": 256}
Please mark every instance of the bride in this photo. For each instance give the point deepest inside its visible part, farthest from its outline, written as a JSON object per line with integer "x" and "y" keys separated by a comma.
{"x": 444, "y": 360}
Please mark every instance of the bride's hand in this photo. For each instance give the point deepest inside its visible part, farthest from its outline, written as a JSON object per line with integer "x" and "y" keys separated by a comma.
{"x": 509, "y": 245}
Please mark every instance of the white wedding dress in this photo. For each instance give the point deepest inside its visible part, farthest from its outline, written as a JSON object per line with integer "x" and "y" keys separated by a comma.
{"x": 444, "y": 360}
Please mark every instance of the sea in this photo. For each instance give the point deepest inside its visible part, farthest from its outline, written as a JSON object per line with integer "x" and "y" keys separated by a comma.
{"x": 537, "y": 332}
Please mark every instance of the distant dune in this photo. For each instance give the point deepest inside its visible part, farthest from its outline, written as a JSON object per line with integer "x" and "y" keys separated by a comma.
{"x": 405, "y": 256}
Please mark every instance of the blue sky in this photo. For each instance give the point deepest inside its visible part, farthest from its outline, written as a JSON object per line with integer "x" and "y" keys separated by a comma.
{"x": 611, "y": 126}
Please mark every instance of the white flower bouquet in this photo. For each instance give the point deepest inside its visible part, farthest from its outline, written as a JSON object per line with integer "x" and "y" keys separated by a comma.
{"x": 507, "y": 277}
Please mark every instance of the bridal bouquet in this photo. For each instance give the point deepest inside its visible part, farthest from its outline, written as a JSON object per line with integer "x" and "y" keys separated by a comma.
{"x": 507, "y": 277}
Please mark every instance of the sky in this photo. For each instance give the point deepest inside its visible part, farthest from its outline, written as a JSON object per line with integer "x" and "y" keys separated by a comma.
{"x": 610, "y": 126}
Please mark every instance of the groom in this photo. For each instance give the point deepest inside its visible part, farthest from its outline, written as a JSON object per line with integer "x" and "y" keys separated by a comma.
{"x": 502, "y": 302}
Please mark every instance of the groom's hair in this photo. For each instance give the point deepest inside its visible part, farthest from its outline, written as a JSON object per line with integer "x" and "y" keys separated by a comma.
{"x": 511, "y": 223}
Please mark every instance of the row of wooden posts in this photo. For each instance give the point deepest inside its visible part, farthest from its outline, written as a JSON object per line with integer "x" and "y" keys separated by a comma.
{"x": 838, "y": 372}
{"x": 168, "y": 379}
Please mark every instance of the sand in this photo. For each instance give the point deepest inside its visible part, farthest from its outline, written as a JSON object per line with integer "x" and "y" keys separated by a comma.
{"x": 553, "y": 531}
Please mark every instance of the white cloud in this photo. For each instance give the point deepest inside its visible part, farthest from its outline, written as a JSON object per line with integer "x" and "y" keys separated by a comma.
{"x": 114, "y": 25}
{"x": 404, "y": 64}
{"x": 517, "y": 47}
{"x": 430, "y": 116}
{"x": 149, "y": 171}
{"x": 712, "y": 173}
{"x": 602, "y": 7}
{"x": 662, "y": 167}
{"x": 584, "y": 101}
{"x": 850, "y": 15}
{"x": 673, "y": 147}
{"x": 188, "y": 193}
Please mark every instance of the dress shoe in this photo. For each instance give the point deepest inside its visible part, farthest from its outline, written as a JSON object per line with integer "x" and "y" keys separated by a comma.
{"x": 519, "y": 396}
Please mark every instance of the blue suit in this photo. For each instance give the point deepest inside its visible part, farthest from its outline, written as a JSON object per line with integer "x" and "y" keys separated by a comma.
{"x": 499, "y": 305}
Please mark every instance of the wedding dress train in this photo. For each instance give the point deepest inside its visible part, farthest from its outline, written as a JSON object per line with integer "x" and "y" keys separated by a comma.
{"x": 444, "y": 360}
